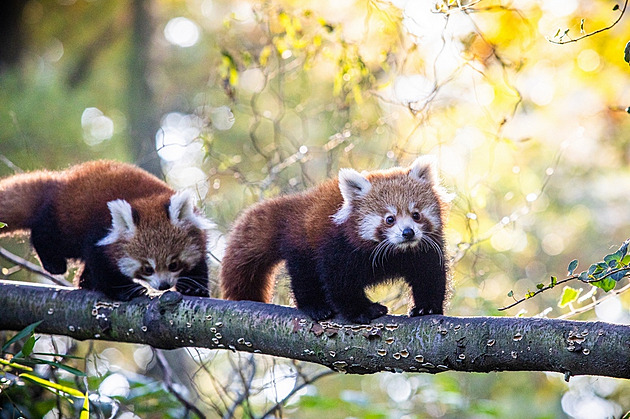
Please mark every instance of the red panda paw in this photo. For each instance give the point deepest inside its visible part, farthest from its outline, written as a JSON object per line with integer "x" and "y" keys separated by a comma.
{"x": 373, "y": 311}
{"x": 318, "y": 313}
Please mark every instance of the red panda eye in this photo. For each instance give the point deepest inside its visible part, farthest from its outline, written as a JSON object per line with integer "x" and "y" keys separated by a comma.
{"x": 147, "y": 270}
{"x": 174, "y": 266}
{"x": 390, "y": 220}
{"x": 416, "y": 216}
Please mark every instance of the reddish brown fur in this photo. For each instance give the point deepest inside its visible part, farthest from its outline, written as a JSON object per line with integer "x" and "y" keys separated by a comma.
{"x": 84, "y": 190}
{"x": 302, "y": 222}
{"x": 257, "y": 237}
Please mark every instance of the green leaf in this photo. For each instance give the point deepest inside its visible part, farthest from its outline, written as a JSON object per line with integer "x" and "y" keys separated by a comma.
{"x": 572, "y": 266}
{"x": 606, "y": 284}
{"x": 626, "y": 260}
{"x": 510, "y": 294}
{"x": 540, "y": 286}
{"x": 67, "y": 368}
{"x": 2, "y": 225}
{"x": 27, "y": 349}
{"x": 626, "y": 53}
{"x": 615, "y": 7}
{"x": 28, "y": 330}
{"x": 554, "y": 281}
{"x": 569, "y": 295}
{"x": 623, "y": 249}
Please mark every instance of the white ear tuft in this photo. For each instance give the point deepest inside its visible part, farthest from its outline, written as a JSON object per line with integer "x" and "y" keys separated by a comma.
{"x": 182, "y": 209}
{"x": 423, "y": 169}
{"x": 122, "y": 222}
{"x": 353, "y": 185}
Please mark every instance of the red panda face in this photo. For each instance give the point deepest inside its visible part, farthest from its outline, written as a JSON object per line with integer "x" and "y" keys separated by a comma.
{"x": 396, "y": 209}
{"x": 155, "y": 243}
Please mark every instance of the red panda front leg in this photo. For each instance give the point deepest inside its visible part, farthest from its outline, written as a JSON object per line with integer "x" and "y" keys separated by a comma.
{"x": 307, "y": 289}
{"x": 345, "y": 275}
{"x": 428, "y": 281}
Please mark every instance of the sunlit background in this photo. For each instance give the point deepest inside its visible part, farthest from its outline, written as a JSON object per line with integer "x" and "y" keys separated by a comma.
{"x": 241, "y": 101}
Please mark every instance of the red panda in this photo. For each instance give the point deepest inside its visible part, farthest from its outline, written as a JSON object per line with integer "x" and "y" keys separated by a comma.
{"x": 343, "y": 236}
{"x": 132, "y": 231}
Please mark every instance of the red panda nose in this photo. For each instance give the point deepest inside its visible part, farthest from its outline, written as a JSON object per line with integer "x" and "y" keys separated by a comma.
{"x": 163, "y": 286}
{"x": 408, "y": 233}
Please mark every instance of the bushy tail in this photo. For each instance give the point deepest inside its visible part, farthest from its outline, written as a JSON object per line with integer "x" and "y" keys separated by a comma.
{"x": 20, "y": 197}
{"x": 248, "y": 266}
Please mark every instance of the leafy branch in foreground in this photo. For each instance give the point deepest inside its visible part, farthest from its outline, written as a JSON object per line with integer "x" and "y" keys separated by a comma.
{"x": 605, "y": 274}
{"x": 17, "y": 368}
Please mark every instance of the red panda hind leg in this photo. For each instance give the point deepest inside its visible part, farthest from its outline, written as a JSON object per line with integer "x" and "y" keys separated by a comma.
{"x": 46, "y": 238}
{"x": 244, "y": 277}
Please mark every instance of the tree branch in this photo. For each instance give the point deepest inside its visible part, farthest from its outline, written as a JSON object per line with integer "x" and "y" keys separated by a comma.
{"x": 586, "y": 35}
{"x": 393, "y": 343}
{"x": 31, "y": 267}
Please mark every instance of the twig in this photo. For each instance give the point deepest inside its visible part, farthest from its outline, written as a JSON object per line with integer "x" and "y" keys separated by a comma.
{"x": 168, "y": 380}
{"x": 295, "y": 390}
{"x": 623, "y": 10}
{"x": 246, "y": 381}
{"x": 550, "y": 286}
{"x": 31, "y": 267}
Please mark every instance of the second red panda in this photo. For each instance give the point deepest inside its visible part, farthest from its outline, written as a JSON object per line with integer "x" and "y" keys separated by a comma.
{"x": 131, "y": 230}
{"x": 343, "y": 236}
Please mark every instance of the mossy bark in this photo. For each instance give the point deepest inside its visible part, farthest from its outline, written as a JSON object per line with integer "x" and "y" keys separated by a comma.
{"x": 392, "y": 343}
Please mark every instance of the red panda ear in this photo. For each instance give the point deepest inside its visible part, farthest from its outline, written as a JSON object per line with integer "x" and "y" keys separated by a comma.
{"x": 423, "y": 169}
{"x": 181, "y": 210}
{"x": 353, "y": 186}
{"x": 123, "y": 225}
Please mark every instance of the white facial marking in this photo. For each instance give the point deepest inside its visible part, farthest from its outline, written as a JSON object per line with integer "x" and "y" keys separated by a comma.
{"x": 128, "y": 266}
{"x": 430, "y": 214}
{"x": 368, "y": 227}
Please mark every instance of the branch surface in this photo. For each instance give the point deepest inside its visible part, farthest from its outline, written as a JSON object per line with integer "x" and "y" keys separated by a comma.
{"x": 392, "y": 343}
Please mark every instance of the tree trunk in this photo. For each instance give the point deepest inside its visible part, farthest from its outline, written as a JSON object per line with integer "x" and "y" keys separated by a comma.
{"x": 392, "y": 343}
{"x": 141, "y": 107}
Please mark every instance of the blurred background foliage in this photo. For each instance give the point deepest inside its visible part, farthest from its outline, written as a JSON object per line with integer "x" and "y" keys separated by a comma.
{"x": 245, "y": 100}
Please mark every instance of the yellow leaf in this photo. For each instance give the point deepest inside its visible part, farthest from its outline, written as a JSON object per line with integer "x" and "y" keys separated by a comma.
{"x": 265, "y": 53}
{"x": 358, "y": 97}
{"x": 85, "y": 412}
{"x": 16, "y": 366}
